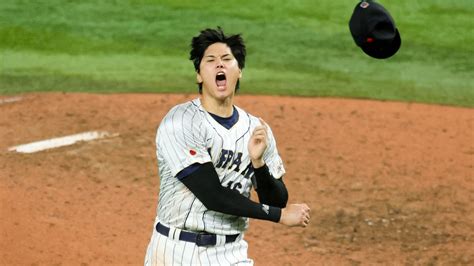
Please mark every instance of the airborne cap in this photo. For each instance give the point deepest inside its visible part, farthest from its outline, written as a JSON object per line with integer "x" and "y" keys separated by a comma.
{"x": 374, "y": 30}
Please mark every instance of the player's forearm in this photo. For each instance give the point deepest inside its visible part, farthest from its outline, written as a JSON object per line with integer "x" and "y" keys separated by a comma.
{"x": 270, "y": 191}
{"x": 205, "y": 185}
{"x": 231, "y": 202}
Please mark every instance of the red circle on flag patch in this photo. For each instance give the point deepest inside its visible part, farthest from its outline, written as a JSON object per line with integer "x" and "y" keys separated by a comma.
{"x": 192, "y": 152}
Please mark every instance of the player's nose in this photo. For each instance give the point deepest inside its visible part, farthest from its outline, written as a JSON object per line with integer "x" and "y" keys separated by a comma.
{"x": 220, "y": 63}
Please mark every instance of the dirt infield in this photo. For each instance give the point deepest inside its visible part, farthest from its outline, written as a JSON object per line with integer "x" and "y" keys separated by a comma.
{"x": 388, "y": 183}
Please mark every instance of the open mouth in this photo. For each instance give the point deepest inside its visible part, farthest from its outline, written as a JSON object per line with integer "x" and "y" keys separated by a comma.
{"x": 221, "y": 79}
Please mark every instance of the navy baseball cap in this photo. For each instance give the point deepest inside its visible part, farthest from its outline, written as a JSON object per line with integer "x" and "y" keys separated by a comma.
{"x": 374, "y": 30}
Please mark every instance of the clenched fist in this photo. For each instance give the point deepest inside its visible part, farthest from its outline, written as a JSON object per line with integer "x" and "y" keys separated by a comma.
{"x": 295, "y": 215}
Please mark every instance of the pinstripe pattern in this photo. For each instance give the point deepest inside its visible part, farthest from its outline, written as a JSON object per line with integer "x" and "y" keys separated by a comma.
{"x": 188, "y": 135}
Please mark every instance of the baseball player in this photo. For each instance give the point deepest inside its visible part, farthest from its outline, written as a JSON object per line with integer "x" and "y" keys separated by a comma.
{"x": 211, "y": 153}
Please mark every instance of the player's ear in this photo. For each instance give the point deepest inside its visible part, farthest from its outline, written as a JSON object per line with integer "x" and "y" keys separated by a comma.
{"x": 198, "y": 77}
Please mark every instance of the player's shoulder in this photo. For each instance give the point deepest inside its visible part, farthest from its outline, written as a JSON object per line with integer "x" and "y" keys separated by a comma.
{"x": 242, "y": 113}
{"x": 184, "y": 110}
{"x": 254, "y": 120}
{"x": 183, "y": 114}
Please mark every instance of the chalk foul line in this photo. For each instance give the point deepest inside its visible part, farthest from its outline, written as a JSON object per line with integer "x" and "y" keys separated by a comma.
{"x": 61, "y": 141}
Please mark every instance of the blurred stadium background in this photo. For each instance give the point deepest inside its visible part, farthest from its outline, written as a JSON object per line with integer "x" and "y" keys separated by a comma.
{"x": 301, "y": 48}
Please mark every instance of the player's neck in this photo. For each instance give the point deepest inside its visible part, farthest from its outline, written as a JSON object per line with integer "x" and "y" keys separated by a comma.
{"x": 222, "y": 108}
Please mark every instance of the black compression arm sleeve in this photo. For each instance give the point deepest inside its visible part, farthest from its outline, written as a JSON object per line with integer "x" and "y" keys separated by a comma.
{"x": 205, "y": 185}
{"x": 270, "y": 191}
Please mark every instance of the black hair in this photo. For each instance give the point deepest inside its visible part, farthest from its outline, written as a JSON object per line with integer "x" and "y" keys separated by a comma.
{"x": 207, "y": 37}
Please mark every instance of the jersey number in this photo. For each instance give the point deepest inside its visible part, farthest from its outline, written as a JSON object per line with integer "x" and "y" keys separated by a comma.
{"x": 234, "y": 186}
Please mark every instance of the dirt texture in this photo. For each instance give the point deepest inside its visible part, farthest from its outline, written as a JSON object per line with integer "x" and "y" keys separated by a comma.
{"x": 388, "y": 183}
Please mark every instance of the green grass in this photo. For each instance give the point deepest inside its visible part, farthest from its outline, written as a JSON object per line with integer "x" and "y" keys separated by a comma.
{"x": 299, "y": 48}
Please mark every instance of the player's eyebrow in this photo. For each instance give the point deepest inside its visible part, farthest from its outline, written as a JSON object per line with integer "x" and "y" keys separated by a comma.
{"x": 213, "y": 56}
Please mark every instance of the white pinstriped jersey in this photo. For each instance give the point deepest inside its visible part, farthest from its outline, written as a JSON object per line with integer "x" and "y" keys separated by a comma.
{"x": 188, "y": 135}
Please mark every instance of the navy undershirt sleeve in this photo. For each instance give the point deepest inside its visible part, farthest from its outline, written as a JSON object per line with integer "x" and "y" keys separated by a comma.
{"x": 270, "y": 191}
{"x": 204, "y": 183}
{"x": 187, "y": 171}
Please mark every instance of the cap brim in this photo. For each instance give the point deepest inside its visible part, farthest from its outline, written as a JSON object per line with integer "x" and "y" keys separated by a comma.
{"x": 385, "y": 51}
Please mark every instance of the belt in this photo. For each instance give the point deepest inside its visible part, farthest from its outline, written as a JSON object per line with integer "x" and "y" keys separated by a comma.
{"x": 200, "y": 239}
